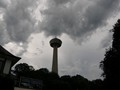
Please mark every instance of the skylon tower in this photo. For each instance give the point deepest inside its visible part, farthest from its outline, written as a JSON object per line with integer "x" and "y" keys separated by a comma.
{"x": 55, "y": 43}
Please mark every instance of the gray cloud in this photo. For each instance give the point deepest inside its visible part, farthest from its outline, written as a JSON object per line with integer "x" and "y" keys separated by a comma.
{"x": 3, "y": 36}
{"x": 107, "y": 40}
{"x": 17, "y": 22}
{"x": 97, "y": 14}
{"x": 77, "y": 19}
{"x": 58, "y": 2}
{"x": 1, "y": 33}
{"x": 2, "y": 3}
{"x": 61, "y": 1}
{"x": 18, "y": 19}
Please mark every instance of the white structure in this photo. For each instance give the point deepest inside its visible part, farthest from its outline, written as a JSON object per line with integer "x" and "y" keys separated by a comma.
{"x": 7, "y": 60}
{"x": 17, "y": 88}
{"x": 55, "y": 43}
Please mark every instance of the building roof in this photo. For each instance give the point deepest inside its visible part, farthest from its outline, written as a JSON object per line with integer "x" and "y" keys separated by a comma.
{"x": 6, "y": 54}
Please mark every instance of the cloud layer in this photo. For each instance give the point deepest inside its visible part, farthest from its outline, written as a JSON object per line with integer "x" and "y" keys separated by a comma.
{"x": 78, "y": 18}
{"x": 2, "y": 3}
{"x": 17, "y": 20}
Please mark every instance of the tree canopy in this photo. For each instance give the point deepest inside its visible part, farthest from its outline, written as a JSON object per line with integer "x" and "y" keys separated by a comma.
{"x": 111, "y": 62}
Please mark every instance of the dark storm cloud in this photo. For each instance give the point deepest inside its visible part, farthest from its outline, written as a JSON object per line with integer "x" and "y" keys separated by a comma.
{"x": 17, "y": 19}
{"x": 2, "y": 31}
{"x": 2, "y": 3}
{"x": 77, "y": 19}
{"x": 97, "y": 14}
{"x": 61, "y": 1}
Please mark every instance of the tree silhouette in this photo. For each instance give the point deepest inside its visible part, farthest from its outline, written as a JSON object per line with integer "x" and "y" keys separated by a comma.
{"x": 52, "y": 81}
{"x": 111, "y": 62}
{"x": 23, "y": 69}
{"x": 96, "y": 84}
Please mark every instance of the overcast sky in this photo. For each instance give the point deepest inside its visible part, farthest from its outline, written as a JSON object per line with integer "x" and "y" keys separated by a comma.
{"x": 27, "y": 26}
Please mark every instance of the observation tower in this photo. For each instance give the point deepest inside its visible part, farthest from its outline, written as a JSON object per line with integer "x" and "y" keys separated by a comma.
{"x": 55, "y": 43}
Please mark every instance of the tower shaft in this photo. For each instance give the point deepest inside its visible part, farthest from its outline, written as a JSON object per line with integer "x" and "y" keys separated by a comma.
{"x": 55, "y": 60}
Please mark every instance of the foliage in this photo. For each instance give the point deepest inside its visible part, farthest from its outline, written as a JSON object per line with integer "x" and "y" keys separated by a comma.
{"x": 23, "y": 67}
{"x": 111, "y": 62}
{"x": 52, "y": 81}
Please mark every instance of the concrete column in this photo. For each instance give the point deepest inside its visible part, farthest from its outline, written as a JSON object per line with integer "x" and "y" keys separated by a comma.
{"x": 55, "y": 60}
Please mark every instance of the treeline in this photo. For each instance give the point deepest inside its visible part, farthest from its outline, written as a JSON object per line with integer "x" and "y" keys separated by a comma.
{"x": 52, "y": 81}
